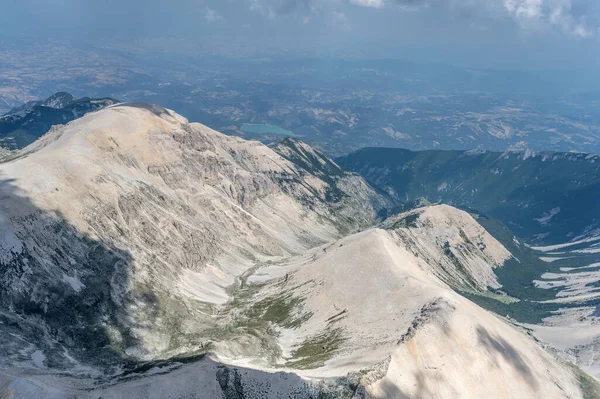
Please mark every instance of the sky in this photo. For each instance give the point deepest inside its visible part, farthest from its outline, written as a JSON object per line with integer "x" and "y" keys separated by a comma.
{"x": 503, "y": 34}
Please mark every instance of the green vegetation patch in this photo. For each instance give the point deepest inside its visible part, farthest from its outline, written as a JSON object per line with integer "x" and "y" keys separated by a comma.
{"x": 251, "y": 315}
{"x": 497, "y": 295}
{"x": 590, "y": 388}
{"x": 283, "y": 311}
{"x": 407, "y": 221}
{"x": 517, "y": 274}
{"x": 315, "y": 351}
{"x": 522, "y": 311}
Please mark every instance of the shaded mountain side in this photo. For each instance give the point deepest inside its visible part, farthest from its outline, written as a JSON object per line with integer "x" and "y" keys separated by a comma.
{"x": 23, "y": 125}
{"x": 522, "y": 268}
{"x": 183, "y": 379}
{"x": 541, "y": 197}
{"x": 63, "y": 291}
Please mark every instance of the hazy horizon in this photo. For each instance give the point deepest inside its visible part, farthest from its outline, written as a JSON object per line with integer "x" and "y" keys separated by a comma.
{"x": 496, "y": 34}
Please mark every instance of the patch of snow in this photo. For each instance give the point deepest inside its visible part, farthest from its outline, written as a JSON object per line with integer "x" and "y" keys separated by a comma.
{"x": 476, "y": 151}
{"x": 549, "y": 259}
{"x": 587, "y": 251}
{"x": 74, "y": 282}
{"x": 566, "y": 245}
{"x": 528, "y": 154}
{"x": 545, "y": 219}
{"x": 569, "y": 269}
{"x": 38, "y": 358}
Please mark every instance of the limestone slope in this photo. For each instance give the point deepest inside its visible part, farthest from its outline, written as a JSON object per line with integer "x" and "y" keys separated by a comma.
{"x": 120, "y": 232}
{"x": 356, "y": 318}
{"x": 367, "y": 304}
{"x": 451, "y": 245}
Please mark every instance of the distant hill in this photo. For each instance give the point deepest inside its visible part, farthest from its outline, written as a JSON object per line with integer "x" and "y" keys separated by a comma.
{"x": 545, "y": 197}
{"x": 23, "y": 125}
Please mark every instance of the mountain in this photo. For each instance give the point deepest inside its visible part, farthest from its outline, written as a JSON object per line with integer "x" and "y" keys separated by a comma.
{"x": 23, "y": 125}
{"x": 543, "y": 197}
{"x": 144, "y": 256}
{"x": 542, "y": 207}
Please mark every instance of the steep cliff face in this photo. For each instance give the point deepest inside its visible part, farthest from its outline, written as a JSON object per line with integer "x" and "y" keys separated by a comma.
{"x": 348, "y": 193}
{"x": 451, "y": 245}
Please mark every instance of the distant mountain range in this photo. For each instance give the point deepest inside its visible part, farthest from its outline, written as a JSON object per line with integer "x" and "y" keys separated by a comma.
{"x": 23, "y": 125}
{"x": 337, "y": 105}
{"x": 545, "y": 197}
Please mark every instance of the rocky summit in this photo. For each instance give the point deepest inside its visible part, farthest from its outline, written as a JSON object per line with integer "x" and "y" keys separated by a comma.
{"x": 144, "y": 256}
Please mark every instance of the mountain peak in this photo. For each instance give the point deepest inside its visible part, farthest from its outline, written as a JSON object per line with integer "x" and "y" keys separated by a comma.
{"x": 58, "y": 100}
{"x": 23, "y": 125}
{"x": 301, "y": 153}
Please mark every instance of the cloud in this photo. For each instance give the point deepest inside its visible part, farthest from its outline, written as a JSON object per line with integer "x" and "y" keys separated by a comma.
{"x": 274, "y": 8}
{"x": 341, "y": 21}
{"x": 212, "y": 16}
{"x": 368, "y": 3}
{"x": 557, "y": 13}
{"x": 524, "y": 8}
{"x": 529, "y": 14}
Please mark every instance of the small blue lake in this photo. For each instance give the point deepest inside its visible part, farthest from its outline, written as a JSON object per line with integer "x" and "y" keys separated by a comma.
{"x": 266, "y": 129}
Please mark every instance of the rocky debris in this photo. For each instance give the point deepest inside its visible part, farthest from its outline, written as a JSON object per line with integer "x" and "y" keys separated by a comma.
{"x": 230, "y": 382}
{"x": 424, "y": 315}
{"x": 4, "y": 154}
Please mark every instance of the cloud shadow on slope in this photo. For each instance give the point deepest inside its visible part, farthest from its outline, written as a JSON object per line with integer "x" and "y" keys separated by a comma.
{"x": 499, "y": 346}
